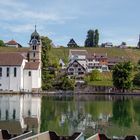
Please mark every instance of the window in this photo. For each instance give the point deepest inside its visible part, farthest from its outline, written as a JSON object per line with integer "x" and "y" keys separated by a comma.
{"x": 14, "y": 114}
{"x": 0, "y": 72}
{"x": 15, "y": 72}
{"x": 8, "y": 72}
{"x": 71, "y": 69}
{"x": 6, "y": 115}
{"x": 29, "y": 73}
{"x": 79, "y": 69}
{"x": 34, "y": 47}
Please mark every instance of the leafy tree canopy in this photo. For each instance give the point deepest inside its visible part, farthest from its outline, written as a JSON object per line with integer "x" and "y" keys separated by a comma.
{"x": 2, "y": 43}
{"x": 122, "y": 74}
{"x": 92, "y": 38}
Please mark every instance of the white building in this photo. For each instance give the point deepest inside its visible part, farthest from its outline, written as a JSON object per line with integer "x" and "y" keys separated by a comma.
{"x": 13, "y": 43}
{"x": 19, "y": 74}
{"x": 79, "y": 55}
{"x": 89, "y": 62}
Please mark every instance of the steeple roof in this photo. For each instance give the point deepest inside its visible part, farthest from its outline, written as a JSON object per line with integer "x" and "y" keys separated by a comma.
{"x": 35, "y": 34}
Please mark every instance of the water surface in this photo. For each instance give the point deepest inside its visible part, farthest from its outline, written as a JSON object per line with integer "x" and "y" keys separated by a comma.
{"x": 111, "y": 115}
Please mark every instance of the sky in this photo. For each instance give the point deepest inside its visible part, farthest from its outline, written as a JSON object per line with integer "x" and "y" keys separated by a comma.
{"x": 61, "y": 20}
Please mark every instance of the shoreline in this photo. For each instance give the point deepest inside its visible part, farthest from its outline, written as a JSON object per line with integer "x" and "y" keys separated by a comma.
{"x": 69, "y": 93}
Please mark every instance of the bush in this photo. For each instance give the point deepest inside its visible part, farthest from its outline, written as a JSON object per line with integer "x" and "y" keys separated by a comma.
{"x": 136, "y": 80}
{"x": 95, "y": 75}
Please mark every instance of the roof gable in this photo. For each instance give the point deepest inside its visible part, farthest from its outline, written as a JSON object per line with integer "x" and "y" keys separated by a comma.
{"x": 77, "y": 63}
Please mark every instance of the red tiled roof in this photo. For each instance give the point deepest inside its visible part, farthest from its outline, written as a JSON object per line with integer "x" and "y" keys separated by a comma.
{"x": 11, "y": 59}
{"x": 32, "y": 65}
{"x": 12, "y": 42}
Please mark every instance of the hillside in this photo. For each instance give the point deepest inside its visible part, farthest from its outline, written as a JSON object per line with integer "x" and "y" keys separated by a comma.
{"x": 57, "y": 53}
{"x": 129, "y": 53}
{"x": 11, "y": 49}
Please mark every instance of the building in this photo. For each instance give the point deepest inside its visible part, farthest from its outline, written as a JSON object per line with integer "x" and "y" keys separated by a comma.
{"x": 82, "y": 62}
{"x": 19, "y": 74}
{"x": 107, "y": 45}
{"x": 13, "y": 43}
{"x": 72, "y": 43}
{"x": 76, "y": 69}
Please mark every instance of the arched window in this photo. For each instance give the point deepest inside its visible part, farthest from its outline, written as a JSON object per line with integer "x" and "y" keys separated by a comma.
{"x": 14, "y": 114}
{"x": 0, "y": 114}
{"x": 29, "y": 73}
{"x": 0, "y": 72}
{"x": 15, "y": 72}
{"x": 6, "y": 115}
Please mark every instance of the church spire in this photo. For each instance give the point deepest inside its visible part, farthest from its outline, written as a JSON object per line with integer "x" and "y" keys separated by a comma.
{"x": 35, "y": 28}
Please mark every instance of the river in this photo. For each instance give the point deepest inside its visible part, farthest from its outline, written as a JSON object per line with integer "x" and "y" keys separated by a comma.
{"x": 111, "y": 115}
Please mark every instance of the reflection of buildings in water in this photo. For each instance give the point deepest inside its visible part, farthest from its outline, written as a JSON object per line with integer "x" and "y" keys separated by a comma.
{"x": 81, "y": 121}
{"x": 20, "y": 113}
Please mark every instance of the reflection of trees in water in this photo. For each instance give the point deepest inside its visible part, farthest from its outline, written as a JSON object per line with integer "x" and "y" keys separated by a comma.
{"x": 137, "y": 110}
{"x": 123, "y": 112}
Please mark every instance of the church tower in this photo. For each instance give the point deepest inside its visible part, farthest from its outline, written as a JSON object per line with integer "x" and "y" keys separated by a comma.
{"x": 35, "y": 47}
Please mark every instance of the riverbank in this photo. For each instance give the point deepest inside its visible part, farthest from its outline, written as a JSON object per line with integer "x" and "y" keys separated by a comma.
{"x": 69, "y": 93}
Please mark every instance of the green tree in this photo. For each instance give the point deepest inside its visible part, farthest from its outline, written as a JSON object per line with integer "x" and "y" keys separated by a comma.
{"x": 46, "y": 77}
{"x": 2, "y": 43}
{"x": 64, "y": 83}
{"x": 122, "y": 74}
{"x": 95, "y": 75}
{"x": 89, "y": 42}
{"x": 96, "y": 38}
{"x": 46, "y": 42}
{"x": 136, "y": 80}
{"x": 92, "y": 39}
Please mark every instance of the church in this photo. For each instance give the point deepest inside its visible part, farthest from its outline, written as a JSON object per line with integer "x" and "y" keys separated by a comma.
{"x": 22, "y": 72}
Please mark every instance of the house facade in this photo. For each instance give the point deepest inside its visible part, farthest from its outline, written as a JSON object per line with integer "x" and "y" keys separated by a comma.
{"x": 87, "y": 62}
{"x": 76, "y": 69}
{"x": 19, "y": 74}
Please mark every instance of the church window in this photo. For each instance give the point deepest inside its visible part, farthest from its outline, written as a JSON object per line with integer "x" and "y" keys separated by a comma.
{"x": 34, "y": 47}
{"x": 0, "y": 114}
{"x": 34, "y": 54}
{"x": 15, "y": 72}
{"x": 29, "y": 73}
{"x": 8, "y": 72}
{"x": 6, "y": 114}
{"x": 0, "y": 72}
{"x": 14, "y": 114}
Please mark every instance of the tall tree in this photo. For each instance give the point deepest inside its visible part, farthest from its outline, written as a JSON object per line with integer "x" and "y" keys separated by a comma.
{"x": 122, "y": 74}
{"x": 89, "y": 42}
{"x": 96, "y": 38}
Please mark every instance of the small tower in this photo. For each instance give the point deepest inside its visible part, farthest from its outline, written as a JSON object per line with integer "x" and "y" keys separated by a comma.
{"x": 35, "y": 47}
{"x": 139, "y": 42}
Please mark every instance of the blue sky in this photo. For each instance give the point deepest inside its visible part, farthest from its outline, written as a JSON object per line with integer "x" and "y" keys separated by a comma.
{"x": 60, "y": 20}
